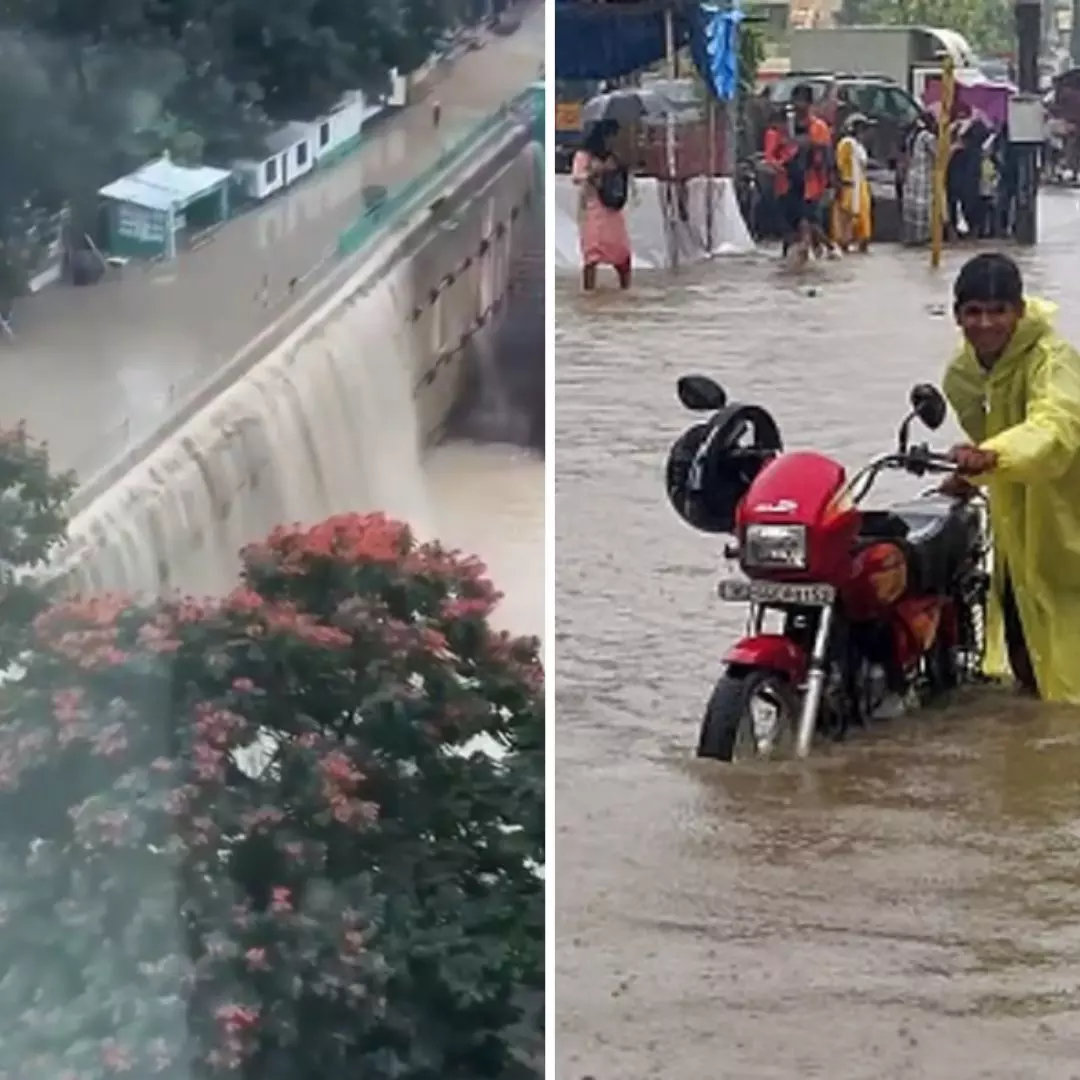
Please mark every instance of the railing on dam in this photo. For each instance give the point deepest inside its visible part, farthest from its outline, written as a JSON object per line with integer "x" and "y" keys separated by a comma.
{"x": 403, "y": 199}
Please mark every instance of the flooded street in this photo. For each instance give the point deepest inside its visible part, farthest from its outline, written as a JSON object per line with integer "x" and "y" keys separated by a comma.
{"x": 901, "y": 906}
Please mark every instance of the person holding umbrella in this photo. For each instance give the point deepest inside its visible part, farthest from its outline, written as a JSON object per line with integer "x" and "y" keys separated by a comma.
{"x": 603, "y": 184}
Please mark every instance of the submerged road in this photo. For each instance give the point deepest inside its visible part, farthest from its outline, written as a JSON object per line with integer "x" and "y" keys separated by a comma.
{"x": 92, "y": 370}
{"x": 904, "y": 905}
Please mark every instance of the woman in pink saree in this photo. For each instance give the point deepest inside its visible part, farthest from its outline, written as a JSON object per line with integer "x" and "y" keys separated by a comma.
{"x": 603, "y": 184}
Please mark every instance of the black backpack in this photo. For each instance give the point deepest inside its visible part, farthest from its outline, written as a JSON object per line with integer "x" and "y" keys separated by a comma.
{"x": 613, "y": 187}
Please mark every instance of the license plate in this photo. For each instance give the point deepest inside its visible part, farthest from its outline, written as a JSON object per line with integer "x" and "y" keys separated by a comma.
{"x": 775, "y": 592}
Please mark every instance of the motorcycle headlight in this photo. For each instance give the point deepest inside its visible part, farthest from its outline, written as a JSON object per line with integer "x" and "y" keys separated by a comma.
{"x": 775, "y": 547}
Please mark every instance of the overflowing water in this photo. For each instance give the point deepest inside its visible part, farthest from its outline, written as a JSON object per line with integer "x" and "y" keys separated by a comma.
{"x": 335, "y": 420}
{"x": 328, "y": 427}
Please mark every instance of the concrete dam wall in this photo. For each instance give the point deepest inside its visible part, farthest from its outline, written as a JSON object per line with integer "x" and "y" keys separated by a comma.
{"x": 335, "y": 417}
{"x": 505, "y": 394}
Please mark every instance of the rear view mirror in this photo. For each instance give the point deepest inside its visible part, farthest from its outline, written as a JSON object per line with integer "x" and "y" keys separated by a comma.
{"x": 929, "y": 406}
{"x": 699, "y": 393}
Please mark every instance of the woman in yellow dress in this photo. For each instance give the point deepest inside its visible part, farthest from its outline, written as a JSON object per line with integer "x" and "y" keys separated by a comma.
{"x": 853, "y": 221}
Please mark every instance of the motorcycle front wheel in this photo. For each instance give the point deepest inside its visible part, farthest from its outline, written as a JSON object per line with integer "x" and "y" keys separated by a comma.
{"x": 751, "y": 714}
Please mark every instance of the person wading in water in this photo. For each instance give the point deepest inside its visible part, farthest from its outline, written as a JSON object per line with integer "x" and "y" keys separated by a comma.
{"x": 604, "y": 186}
{"x": 803, "y": 157}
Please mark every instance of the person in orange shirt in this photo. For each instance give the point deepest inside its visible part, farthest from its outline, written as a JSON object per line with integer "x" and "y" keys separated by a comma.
{"x": 801, "y": 157}
{"x": 779, "y": 154}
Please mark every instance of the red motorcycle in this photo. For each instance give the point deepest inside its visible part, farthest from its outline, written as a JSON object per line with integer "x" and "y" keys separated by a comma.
{"x": 849, "y": 608}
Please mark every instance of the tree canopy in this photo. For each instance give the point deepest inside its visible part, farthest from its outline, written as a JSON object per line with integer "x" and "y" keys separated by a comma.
{"x": 290, "y": 834}
{"x": 986, "y": 24}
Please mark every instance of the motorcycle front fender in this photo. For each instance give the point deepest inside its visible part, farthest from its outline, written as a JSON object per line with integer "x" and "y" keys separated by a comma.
{"x": 770, "y": 652}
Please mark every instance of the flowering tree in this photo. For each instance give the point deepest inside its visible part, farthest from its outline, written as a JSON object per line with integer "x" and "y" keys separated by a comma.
{"x": 257, "y": 838}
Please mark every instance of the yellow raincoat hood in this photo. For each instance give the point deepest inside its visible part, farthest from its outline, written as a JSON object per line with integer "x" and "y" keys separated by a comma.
{"x": 1027, "y": 410}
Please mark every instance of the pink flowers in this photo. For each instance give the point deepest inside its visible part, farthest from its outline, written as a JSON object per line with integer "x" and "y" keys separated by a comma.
{"x": 117, "y": 1058}
{"x": 255, "y": 958}
{"x": 236, "y": 1018}
{"x": 340, "y": 771}
{"x": 341, "y": 778}
{"x": 281, "y": 899}
{"x": 263, "y": 818}
{"x": 67, "y": 705}
{"x": 353, "y": 812}
{"x": 361, "y": 538}
{"x": 467, "y": 607}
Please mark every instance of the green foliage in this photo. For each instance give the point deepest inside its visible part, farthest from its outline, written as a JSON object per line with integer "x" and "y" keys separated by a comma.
{"x": 751, "y": 55}
{"x": 987, "y": 24}
{"x": 256, "y": 838}
{"x": 32, "y": 522}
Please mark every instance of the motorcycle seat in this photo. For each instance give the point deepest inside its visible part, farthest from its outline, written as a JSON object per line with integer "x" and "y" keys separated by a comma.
{"x": 883, "y": 525}
{"x": 940, "y": 534}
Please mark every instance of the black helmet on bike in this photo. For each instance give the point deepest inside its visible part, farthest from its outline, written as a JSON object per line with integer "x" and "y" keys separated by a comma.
{"x": 711, "y": 465}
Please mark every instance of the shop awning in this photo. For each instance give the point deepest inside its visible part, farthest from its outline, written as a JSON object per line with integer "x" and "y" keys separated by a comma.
{"x": 611, "y": 40}
{"x": 598, "y": 40}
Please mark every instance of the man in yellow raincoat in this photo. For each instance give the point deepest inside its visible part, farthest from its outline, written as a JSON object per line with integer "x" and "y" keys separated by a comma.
{"x": 1015, "y": 386}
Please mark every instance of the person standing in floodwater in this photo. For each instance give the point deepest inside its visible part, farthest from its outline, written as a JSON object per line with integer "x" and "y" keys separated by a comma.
{"x": 1015, "y": 387}
{"x": 603, "y": 188}
{"x": 853, "y": 221}
{"x": 920, "y": 152}
{"x": 803, "y": 158}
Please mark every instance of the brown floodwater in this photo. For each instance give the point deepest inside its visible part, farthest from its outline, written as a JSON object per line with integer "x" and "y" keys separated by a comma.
{"x": 904, "y": 904}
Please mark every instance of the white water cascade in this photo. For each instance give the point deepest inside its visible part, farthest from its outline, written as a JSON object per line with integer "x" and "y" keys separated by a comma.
{"x": 335, "y": 419}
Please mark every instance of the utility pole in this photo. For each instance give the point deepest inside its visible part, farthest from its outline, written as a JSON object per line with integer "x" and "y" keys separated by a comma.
{"x": 1023, "y": 145}
{"x": 941, "y": 159}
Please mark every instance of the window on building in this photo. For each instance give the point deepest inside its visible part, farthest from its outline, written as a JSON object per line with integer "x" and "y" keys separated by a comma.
{"x": 324, "y": 133}
{"x": 271, "y": 171}
{"x": 301, "y": 155}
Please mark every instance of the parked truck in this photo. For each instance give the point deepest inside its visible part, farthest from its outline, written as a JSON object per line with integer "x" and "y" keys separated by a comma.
{"x": 906, "y": 54}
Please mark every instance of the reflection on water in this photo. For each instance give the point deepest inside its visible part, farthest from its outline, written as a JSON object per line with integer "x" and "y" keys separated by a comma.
{"x": 904, "y": 904}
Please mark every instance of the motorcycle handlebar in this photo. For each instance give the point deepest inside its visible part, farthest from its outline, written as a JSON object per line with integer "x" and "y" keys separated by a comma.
{"x": 920, "y": 460}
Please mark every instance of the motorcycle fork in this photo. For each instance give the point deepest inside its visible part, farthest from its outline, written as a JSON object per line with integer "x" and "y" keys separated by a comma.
{"x": 815, "y": 683}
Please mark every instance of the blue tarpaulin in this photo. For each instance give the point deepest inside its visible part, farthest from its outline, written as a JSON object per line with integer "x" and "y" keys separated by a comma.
{"x": 608, "y": 41}
{"x": 721, "y": 52}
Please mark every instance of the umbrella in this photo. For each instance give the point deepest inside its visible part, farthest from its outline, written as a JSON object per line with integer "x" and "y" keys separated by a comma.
{"x": 625, "y": 106}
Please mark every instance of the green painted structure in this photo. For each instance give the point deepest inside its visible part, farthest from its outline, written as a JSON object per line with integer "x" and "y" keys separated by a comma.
{"x": 538, "y": 100}
{"x": 147, "y": 209}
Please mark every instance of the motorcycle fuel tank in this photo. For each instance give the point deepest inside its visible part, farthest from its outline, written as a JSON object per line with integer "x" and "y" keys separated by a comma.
{"x": 802, "y": 488}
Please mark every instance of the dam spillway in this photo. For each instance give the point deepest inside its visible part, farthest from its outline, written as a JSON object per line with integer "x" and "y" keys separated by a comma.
{"x": 337, "y": 415}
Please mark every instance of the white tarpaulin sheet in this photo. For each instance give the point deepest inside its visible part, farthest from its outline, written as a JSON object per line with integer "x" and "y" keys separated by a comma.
{"x": 651, "y": 236}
